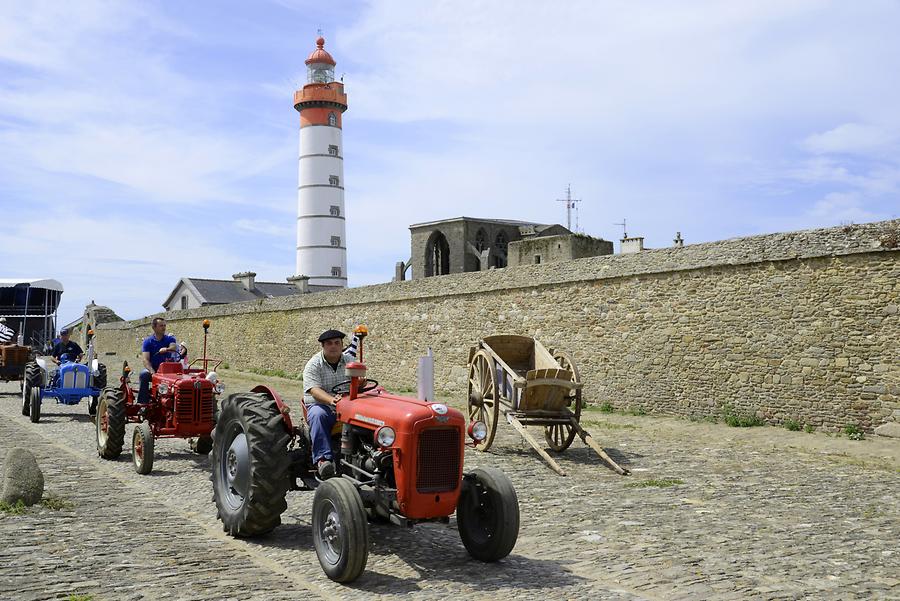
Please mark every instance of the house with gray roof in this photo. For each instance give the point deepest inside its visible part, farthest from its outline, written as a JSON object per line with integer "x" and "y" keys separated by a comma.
{"x": 190, "y": 293}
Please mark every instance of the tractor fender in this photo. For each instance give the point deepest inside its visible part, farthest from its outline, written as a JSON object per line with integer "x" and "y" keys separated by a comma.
{"x": 45, "y": 373}
{"x": 282, "y": 406}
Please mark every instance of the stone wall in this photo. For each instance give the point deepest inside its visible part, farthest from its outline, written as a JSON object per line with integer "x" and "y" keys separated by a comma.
{"x": 800, "y": 325}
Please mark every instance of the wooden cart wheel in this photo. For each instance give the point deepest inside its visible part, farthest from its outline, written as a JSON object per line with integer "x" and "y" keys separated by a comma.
{"x": 482, "y": 399}
{"x": 560, "y": 436}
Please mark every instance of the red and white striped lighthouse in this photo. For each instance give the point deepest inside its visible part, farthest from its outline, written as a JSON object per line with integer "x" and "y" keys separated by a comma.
{"x": 321, "y": 231}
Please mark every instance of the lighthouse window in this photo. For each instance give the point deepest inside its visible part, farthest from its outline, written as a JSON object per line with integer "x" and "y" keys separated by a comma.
{"x": 333, "y": 150}
{"x": 332, "y": 119}
{"x": 335, "y": 211}
{"x": 335, "y": 240}
{"x": 336, "y": 272}
{"x": 334, "y": 180}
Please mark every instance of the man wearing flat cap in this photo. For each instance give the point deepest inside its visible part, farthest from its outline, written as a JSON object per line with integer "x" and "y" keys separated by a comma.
{"x": 322, "y": 372}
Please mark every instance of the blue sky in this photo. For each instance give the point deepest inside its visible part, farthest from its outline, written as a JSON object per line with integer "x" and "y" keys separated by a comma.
{"x": 143, "y": 142}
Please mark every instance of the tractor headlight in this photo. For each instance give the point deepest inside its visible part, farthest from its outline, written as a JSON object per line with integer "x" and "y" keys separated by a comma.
{"x": 219, "y": 388}
{"x": 478, "y": 431}
{"x": 96, "y": 373}
{"x": 163, "y": 388}
{"x": 385, "y": 436}
{"x": 212, "y": 377}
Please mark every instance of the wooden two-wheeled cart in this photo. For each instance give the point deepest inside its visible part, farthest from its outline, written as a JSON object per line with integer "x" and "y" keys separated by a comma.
{"x": 532, "y": 387}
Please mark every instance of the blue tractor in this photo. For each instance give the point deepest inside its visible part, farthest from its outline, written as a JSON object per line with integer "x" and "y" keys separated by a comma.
{"x": 68, "y": 384}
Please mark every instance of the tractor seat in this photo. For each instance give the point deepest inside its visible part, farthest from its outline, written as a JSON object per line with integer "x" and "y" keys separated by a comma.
{"x": 170, "y": 367}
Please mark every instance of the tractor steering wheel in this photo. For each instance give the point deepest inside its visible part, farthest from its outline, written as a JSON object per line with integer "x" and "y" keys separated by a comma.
{"x": 344, "y": 387}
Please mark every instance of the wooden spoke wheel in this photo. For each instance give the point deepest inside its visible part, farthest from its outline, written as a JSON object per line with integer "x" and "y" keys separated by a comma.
{"x": 483, "y": 403}
{"x": 560, "y": 436}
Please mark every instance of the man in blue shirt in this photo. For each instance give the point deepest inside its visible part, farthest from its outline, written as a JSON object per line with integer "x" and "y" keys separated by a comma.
{"x": 156, "y": 348}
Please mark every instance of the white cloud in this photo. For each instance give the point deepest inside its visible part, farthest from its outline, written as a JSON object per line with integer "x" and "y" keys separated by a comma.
{"x": 851, "y": 138}
{"x": 264, "y": 226}
{"x": 843, "y": 207}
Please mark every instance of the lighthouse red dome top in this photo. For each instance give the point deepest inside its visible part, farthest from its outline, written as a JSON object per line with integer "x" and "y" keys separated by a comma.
{"x": 320, "y": 55}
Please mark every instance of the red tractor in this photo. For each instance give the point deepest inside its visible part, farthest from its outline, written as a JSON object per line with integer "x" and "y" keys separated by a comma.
{"x": 183, "y": 404}
{"x": 401, "y": 460}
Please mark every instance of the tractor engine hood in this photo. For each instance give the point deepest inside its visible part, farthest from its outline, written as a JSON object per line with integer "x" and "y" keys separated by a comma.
{"x": 379, "y": 408}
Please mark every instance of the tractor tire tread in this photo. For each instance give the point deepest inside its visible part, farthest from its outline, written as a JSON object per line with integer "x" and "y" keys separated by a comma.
{"x": 267, "y": 440}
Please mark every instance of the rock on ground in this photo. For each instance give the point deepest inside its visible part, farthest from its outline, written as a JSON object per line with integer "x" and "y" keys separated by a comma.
{"x": 890, "y": 429}
{"x": 22, "y": 478}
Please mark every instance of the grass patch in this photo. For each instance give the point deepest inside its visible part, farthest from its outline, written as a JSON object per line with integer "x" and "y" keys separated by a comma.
{"x": 609, "y": 425}
{"x": 737, "y": 420}
{"x": 56, "y": 503}
{"x": 79, "y": 597}
{"x": 636, "y": 411}
{"x": 792, "y": 425}
{"x": 606, "y": 407}
{"x": 656, "y": 483}
{"x": 17, "y": 508}
{"x": 710, "y": 419}
{"x": 809, "y": 428}
{"x": 743, "y": 421}
{"x": 225, "y": 365}
{"x": 275, "y": 373}
{"x": 853, "y": 432}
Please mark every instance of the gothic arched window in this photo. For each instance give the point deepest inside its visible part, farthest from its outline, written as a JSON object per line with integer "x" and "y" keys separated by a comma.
{"x": 437, "y": 255}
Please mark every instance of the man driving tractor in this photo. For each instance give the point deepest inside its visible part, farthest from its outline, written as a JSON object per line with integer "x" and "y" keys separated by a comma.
{"x": 66, "y": 347}
{"x": 156, "y": 348}
{"x": 322, "y": 373}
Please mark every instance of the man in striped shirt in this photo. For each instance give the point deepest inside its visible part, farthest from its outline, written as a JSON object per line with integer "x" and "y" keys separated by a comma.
{"x": 7, "y": 334}
{"x": 322, "y": 373}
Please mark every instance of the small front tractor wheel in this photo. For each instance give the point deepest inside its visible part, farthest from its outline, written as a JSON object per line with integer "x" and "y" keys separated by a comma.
{"x": 202, "y": 445}
{"x": 110, "y": 426}
{"x": 488, "y": 514}
{"x": 35, "y": 411}
{"x": 250, "y": 465}
{"x": 142, "y": 448}
{"x": 340, "y": 530}
{"x": 31, "y": 379}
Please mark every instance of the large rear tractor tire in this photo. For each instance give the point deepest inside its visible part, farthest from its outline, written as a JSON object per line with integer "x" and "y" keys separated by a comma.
{"x": 31, "y": 379}
{"x": 340, "y": 530}
{"x": 110, "y": 426}
{"x": 142, "y": 444}
{"x": 250, "y": 465}
{"x": 488, "y": 514}
{"x": 35, "y": 410}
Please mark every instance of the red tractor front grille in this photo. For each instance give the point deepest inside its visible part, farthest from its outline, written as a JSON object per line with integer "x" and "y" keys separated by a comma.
{"x": 194, "y": 402}
{"x": 439, "y": 457}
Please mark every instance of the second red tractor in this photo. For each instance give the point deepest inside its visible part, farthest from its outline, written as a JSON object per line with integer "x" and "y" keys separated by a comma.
{"x": 183, "y": 404}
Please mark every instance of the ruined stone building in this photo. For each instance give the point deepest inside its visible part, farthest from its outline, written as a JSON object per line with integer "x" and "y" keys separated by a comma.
{"x": 465, "y": 244}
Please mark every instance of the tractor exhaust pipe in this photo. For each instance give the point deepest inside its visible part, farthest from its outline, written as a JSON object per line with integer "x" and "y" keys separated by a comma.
{"x": 426, "y": 377}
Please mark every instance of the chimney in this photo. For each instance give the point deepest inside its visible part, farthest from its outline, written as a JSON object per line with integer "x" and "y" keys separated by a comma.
{"x": 631, "y": 245}
{"x": 301, "y": 282}
{"x": 247, "y": 279}
{"x": 679, "y": 241}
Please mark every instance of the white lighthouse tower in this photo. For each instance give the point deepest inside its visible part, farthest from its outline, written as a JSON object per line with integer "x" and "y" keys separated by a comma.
{"x": 321, "y": 231}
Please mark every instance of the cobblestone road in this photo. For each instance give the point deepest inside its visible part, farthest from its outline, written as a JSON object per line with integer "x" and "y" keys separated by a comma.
{"x": 760, "y": 514}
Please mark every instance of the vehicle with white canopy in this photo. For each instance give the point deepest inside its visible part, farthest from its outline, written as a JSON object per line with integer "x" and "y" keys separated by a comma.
{"x": 27, "y": 321}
